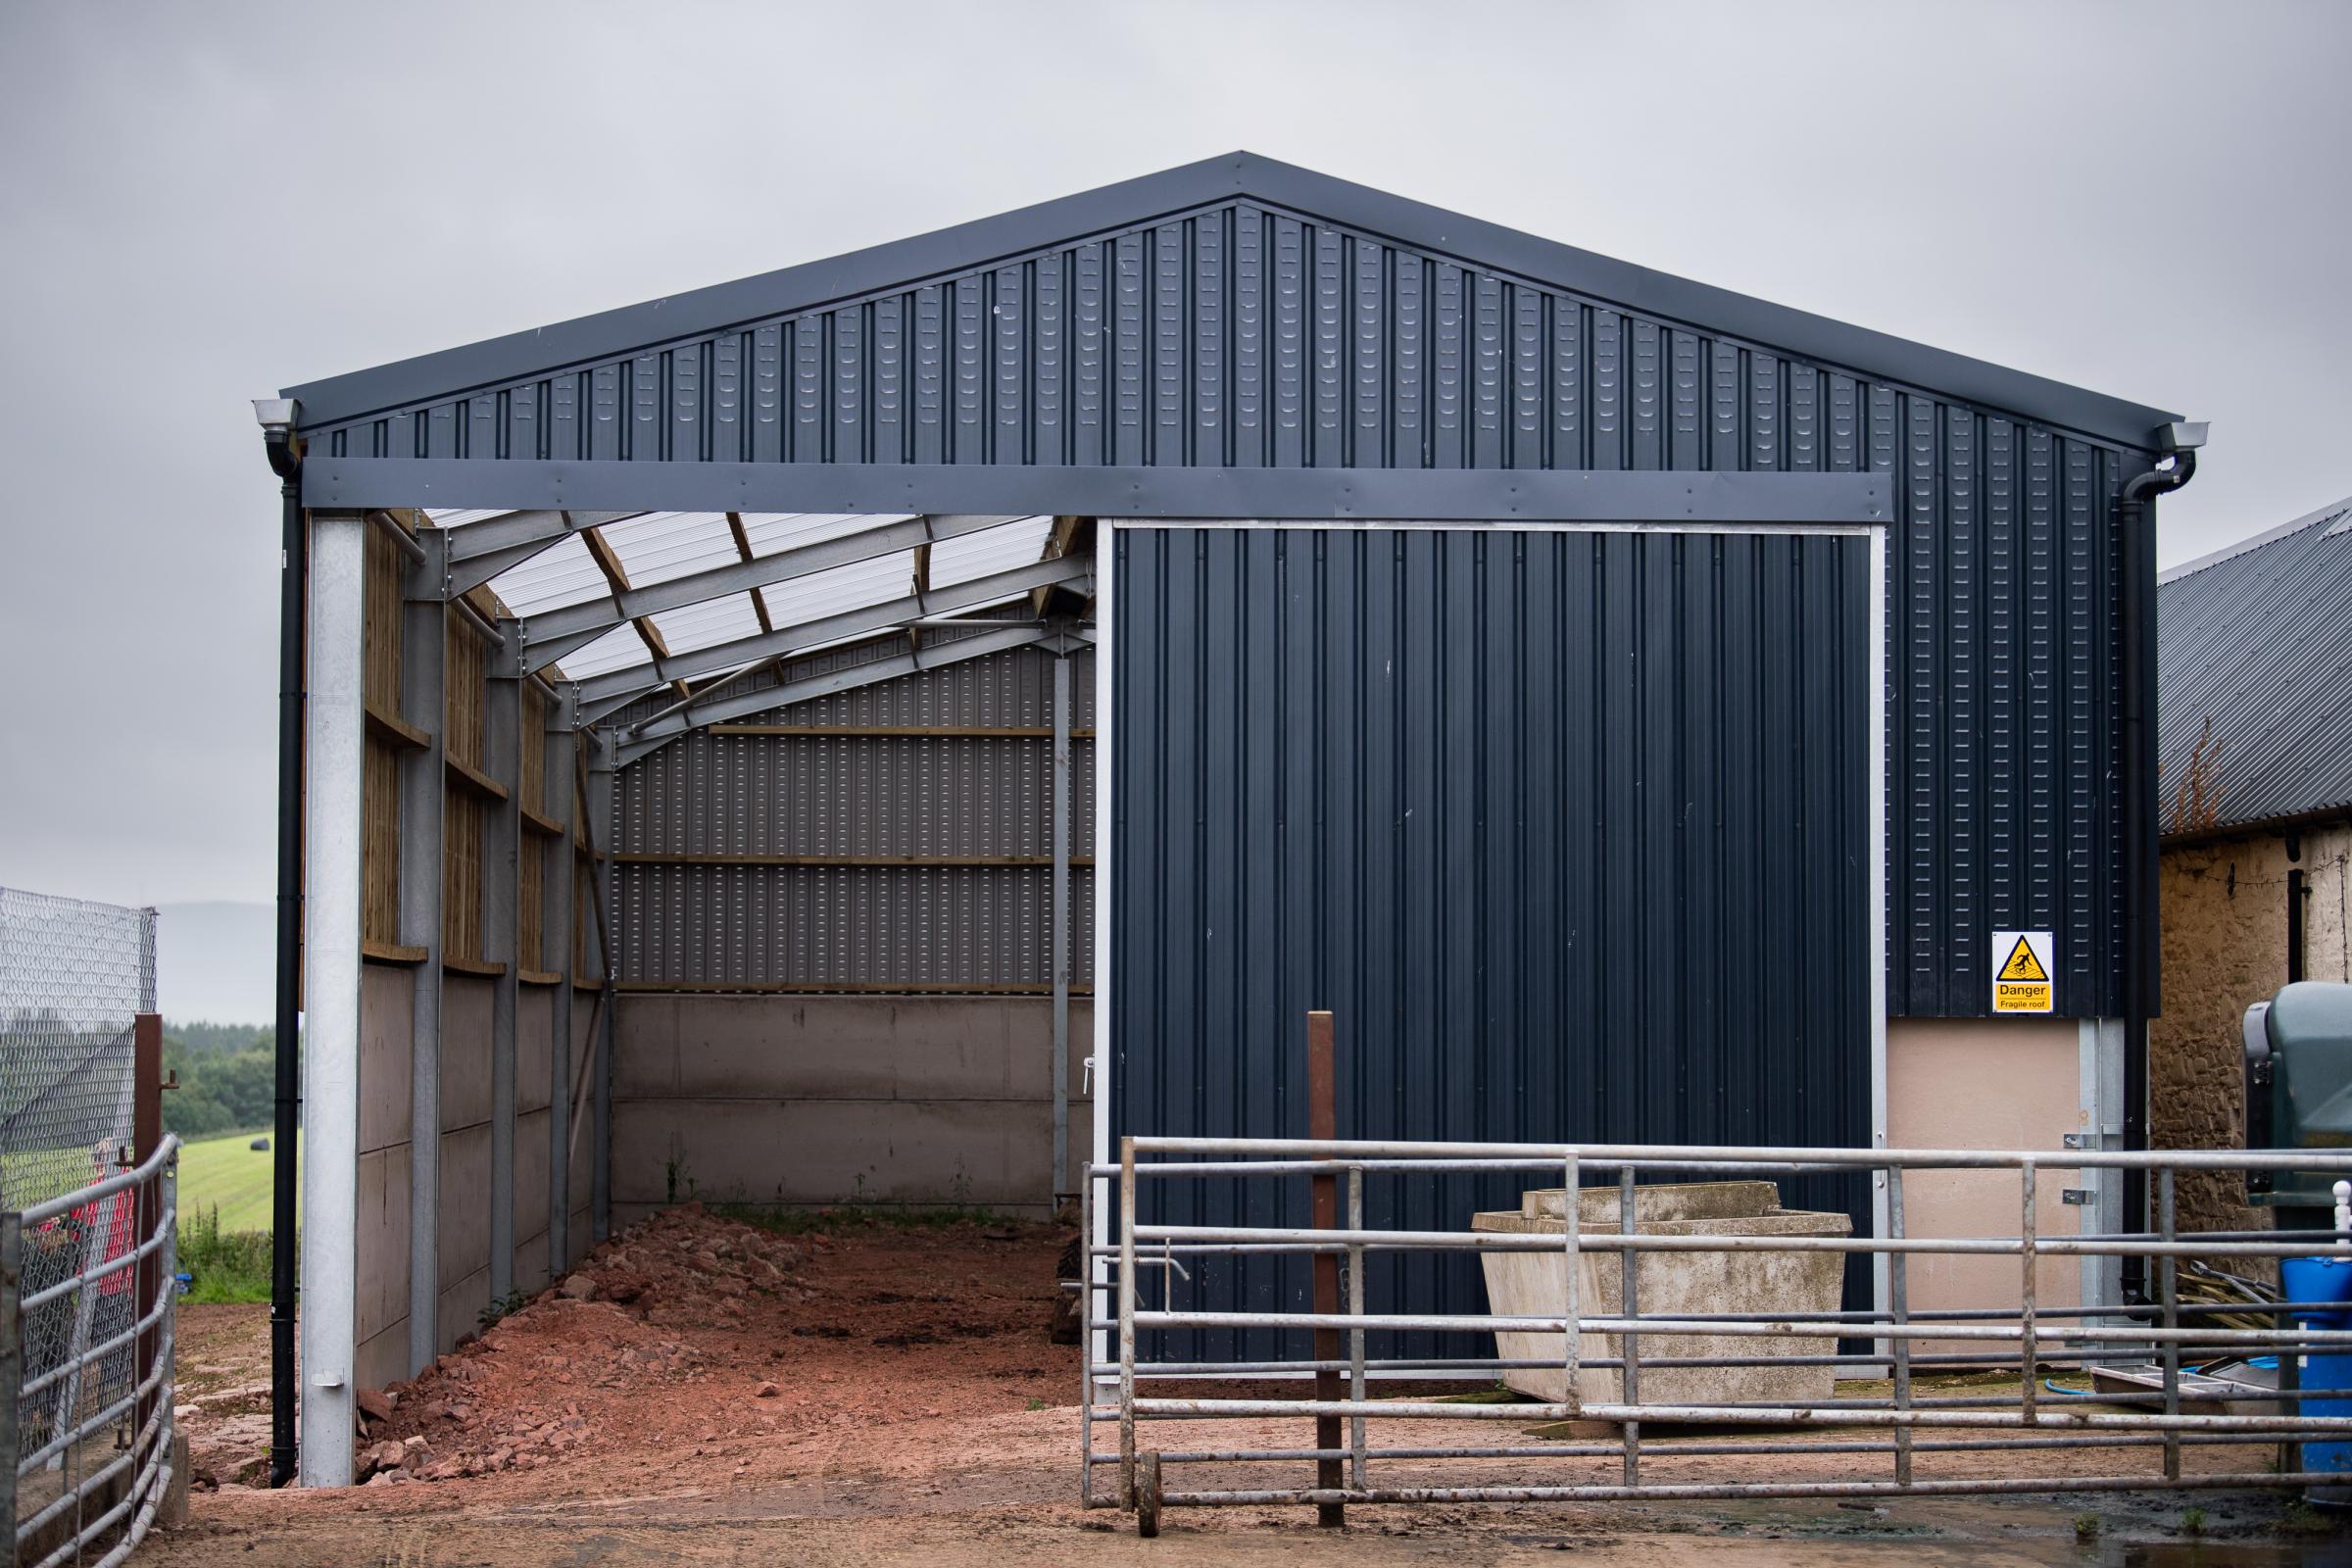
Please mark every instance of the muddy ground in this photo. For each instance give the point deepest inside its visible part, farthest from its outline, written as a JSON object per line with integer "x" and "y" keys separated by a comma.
{"x": 888, "y": 1393}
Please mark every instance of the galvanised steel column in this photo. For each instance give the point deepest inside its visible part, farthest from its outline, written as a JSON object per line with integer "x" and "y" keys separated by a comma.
{"x": 502, "y": 871}
{"x": 423, "y": 791}
{"x": 336, "y": 747}
{"x": 562, "y": 745}
{"x": 1059, "y": 949}
{"x": 604, "y": 837}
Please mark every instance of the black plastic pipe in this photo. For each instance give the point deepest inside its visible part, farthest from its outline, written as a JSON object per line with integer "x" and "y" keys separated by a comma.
{"x": 2143, "y": 992}
{"x": 285, "y": 461}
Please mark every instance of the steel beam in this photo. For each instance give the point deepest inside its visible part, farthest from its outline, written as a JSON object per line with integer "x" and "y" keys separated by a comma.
{"x": 1490, "y": 497}
{"x": 334, "y": 793}
{"x": 601, "y": 835}
{"x": 1059, "y": 947}
{"x": 563, "y": 874}
{"x": 475, "y": 541}
{"x": 885, "y": 617}
{"x": 502, "y": 872}
{"x": 599, "y": 615}
{"x": 1017, "y": 634}
{"x": 424, "y": 789}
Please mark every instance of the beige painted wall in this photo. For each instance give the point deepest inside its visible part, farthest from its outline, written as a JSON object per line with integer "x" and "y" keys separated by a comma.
{"x": 800, "y": 1100}
{"x": 1985, "y": 1083}
{"x": 2225, "y": 949}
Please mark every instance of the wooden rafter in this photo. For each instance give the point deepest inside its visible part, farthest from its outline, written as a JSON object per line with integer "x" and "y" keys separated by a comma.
{"x": 922, "y": 586}
{"x": 608, "y": 561}
{"x": 1064, "y": 536}
{"x": 743, "y": 548}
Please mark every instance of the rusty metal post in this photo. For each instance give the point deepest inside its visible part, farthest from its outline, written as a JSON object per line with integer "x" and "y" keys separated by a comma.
{"x": 2029, "y": 1345}
{"x": 12, "y": 1369}
{"x": 1898, "y": 1306}
{"x": 146, "y": 1137}
{"x": 1323, "y": 1121}
{"x": 1628, "y": 1304}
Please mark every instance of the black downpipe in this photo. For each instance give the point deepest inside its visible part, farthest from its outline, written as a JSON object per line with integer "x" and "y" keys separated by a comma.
{"x": 285, "y": 459}
{"x": 2136, "y": 518}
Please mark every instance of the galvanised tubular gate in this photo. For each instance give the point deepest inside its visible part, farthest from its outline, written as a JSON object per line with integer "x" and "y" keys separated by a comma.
{"x": 2028, "y": 1338}
{"x": 85, "y": 1453}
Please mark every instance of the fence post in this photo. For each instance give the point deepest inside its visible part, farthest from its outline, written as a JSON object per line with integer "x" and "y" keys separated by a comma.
{"x": 1127, "y": 1322}
{"x": 12, "y": 1363}
{"x": 1629, "y": 1305}
{"x": 1898, "y": 1306}
{"x": 2028, "y": 1245}
{"x": 146, "y": 1137}
{"x": 1323, "y": 1122}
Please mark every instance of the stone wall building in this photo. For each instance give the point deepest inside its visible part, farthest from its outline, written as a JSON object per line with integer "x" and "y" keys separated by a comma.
{"x": 2256, "y": 708}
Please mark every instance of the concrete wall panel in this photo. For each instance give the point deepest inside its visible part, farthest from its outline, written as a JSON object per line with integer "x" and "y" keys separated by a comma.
{"x": 384, "y": 1357}
{"x": 386, "y": 1013}
{"x": 822, "y": 1099}
{"x": 382, "y": 1241}
{"x": 531, "y": 1174}
{"x": 465, "y": 1233}
{"x": 530, "y": 1264}
{"x": 465, "y": 1054}
{"x": 534, "y": 1008}
{"x": 992, "y": 1152}
{"x": 462, "y": 1306}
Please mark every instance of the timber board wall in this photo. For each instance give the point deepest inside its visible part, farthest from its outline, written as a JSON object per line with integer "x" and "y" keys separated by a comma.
{"x": 546, "y": 959}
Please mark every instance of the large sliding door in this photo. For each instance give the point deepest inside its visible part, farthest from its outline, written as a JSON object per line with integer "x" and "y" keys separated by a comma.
{"x": 1570, "y": 829}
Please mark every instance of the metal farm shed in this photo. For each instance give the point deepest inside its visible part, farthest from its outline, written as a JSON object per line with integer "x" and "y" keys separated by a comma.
{"x": 1632, "y": 708}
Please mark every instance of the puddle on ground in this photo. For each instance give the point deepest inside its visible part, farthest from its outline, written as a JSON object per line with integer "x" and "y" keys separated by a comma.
{"x": 2222, "y": 1554}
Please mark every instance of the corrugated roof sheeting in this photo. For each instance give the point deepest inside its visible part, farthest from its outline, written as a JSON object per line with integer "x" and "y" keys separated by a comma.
{"x": 1243, "y": 335}
{"x": 564, "y": 573}
{"x": 982, "y": 927}
{"x": 2258, "y": 641}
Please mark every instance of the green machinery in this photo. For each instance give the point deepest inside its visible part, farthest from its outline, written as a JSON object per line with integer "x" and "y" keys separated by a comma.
{"x": 2300, "y": 1094}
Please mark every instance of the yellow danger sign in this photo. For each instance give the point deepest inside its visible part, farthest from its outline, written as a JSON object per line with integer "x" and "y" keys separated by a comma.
{"x": 2022, "y": 964}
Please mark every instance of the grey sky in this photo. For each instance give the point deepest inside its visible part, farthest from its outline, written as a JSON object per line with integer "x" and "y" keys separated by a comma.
{"x": 200, "y": 203}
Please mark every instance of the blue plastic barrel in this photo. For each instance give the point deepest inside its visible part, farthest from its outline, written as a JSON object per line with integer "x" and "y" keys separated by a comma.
{"x": 2325, "y": 1278}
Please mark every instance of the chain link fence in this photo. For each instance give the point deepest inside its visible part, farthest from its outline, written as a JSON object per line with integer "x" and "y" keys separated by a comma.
{"x": 74, "y": 978}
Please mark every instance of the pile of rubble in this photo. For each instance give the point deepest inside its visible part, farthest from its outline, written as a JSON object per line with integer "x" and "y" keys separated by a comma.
{"x": 510, "y": 1399}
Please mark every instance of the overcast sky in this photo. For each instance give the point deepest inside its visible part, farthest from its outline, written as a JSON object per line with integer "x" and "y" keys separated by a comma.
{"x": 200, "y": 204}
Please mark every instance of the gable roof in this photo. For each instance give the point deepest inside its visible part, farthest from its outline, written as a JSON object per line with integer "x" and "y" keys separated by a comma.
{"x": 1300, "y": 193}
{"x": 2257, "y": 638}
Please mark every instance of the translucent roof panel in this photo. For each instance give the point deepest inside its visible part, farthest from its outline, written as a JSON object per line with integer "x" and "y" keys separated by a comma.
{"x": 770, "y": 532}
{"x": 446, "y": 518}
{"x": 658, "y": 546}
{"x": 992, "y": 550}
{"x": 703, "y": 625}
{"x": 564, "y": 573}
{"x": 616, "y": 649}
{"x": 841, "y": 588}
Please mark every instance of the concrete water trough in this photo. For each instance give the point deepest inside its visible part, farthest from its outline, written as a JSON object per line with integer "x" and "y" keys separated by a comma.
{"x": 1669, "y": 1285}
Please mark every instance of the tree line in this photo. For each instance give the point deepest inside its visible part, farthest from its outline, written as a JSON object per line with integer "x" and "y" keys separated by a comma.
{"x": 227, "y": 1078}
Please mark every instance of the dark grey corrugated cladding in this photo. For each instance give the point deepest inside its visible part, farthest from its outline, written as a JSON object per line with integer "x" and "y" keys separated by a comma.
{"x": 1563, "y": 827}
{"x": 1242, "y": 315}
{"x": 2258, "y": 640}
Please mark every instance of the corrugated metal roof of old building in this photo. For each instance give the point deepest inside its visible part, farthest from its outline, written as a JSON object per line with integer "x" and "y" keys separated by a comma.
{"x": 2256, "y": 640}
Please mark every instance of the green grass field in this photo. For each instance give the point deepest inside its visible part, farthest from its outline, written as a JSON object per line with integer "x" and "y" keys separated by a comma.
{"x": 226, "y": 1173}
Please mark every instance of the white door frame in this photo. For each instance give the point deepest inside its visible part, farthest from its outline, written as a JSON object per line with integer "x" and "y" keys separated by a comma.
{"x": 1106, "y": 814}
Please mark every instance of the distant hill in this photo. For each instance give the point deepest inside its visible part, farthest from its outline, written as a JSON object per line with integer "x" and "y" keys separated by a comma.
{"x": 217, "y": 962}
